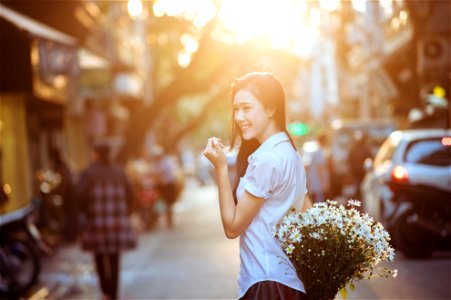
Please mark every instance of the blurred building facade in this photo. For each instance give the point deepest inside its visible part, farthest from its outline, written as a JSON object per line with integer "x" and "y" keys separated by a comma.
{"x": 402, "y": 51}
{"x": 56, "y": 91}
{"x": 376, "y": 59}
{"x": 38, "y": 88}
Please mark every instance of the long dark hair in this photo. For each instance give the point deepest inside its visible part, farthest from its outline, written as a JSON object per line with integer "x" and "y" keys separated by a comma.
{"x": 270, "y": 93}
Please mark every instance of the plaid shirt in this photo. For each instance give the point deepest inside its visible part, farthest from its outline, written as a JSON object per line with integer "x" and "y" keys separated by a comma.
{"x": 107, "y": 194}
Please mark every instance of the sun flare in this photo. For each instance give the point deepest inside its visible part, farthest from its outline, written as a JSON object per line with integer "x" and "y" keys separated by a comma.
{"x": 281, "y": 24}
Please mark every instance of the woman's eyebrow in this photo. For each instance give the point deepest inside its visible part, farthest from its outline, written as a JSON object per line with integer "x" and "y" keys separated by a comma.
{"x": 243, "y": 102}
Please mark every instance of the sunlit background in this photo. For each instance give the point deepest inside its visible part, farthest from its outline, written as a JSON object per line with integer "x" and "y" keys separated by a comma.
{"x": 152, "y": 80}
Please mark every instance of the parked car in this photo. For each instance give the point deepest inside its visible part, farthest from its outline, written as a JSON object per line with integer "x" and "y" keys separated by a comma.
{"x": 341, "y": 140}
{"x": 416, "y": 158}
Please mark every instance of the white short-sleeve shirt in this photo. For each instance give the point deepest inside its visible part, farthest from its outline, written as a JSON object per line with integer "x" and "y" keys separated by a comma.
{"x": 275, "y": 173}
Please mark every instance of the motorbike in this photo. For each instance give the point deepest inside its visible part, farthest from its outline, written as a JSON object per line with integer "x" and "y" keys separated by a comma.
{"x": 51, "y": 214}
{"x": 20, "y": 245}
{"x": 421, "y": 221}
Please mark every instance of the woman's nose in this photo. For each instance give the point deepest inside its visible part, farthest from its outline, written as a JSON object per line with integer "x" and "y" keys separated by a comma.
{"x": 239, "y": 115}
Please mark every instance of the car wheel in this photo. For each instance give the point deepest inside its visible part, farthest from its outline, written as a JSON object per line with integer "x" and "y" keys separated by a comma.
{"x": 410, "y": 237}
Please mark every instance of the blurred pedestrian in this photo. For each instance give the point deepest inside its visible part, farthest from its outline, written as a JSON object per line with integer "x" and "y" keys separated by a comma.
{"x": 270, "y": 180}
{"x": 204, "y": 169}
{"x": 359, "y": 152}
{"x": 170, "y": 184}
{"x": 108, "y": 198}
{"x": 66, "y": 189}
{"x": 318, "y": 174}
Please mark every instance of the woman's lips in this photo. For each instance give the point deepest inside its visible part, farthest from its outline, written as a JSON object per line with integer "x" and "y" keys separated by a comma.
{"x": 243, "y": 127}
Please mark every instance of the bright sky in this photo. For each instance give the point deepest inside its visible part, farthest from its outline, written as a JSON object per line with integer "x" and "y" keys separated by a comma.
{"x": 280, "y": 24}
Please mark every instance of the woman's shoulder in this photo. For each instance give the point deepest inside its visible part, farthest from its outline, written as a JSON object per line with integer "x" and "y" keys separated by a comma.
{"x": 271, "y": 158}
{"x": 279, "y": 155}
{"x": 265, "y": 157}
{"x": 283, "y": 152}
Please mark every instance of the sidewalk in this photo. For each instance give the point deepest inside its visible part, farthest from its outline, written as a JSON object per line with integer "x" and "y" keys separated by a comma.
{"x": 192, "y": 261}
{"x": 69, "y": 274}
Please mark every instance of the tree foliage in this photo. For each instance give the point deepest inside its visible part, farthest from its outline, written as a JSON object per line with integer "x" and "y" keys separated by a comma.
{"x": 204, "y": 83}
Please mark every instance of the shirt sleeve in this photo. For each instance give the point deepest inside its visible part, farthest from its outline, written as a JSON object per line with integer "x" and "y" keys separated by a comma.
{"x": 262, "y": 177}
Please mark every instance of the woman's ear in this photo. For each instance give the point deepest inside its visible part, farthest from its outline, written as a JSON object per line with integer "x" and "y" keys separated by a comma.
{"x": 271, "y": 111}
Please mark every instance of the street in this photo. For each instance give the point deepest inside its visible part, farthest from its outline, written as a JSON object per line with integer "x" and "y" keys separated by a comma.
{"x": 196, "y": 261}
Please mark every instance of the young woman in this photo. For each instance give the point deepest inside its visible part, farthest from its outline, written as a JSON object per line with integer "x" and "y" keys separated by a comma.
{"x": 270, "y": 180}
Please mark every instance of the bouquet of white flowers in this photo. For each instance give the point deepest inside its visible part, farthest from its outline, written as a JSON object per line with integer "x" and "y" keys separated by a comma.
{"x": 332, "y": 246}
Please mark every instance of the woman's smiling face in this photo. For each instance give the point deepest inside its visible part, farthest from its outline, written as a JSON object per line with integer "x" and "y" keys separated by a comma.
{"x": 250, "y": 115}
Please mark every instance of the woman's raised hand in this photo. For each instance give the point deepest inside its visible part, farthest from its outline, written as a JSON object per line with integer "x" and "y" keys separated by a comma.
{"x": 214, "y": 151}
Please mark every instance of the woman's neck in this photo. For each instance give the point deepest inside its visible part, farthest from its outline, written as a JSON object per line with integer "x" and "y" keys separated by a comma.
{"x": 271, "y": 130}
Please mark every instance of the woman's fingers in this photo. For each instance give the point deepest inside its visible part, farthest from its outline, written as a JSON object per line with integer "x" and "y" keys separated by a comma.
{"x": 214, "y": 149}
{"x": 214, "y": 143}
{"x": 208, "y": 148}
{"x": 217, "y": 142}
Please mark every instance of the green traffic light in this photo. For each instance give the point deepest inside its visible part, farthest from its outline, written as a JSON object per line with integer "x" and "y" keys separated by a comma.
{"x": 298, "y": 129}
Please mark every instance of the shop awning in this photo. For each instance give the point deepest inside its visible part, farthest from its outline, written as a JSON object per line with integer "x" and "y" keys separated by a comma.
{"x": 35, "y": 28}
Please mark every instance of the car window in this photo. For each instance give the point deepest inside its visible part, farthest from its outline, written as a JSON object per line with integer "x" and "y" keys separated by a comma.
{"x": 429, "y": 152}
{"x": 379, "y": 133}
{"x": 385, "y": 152}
